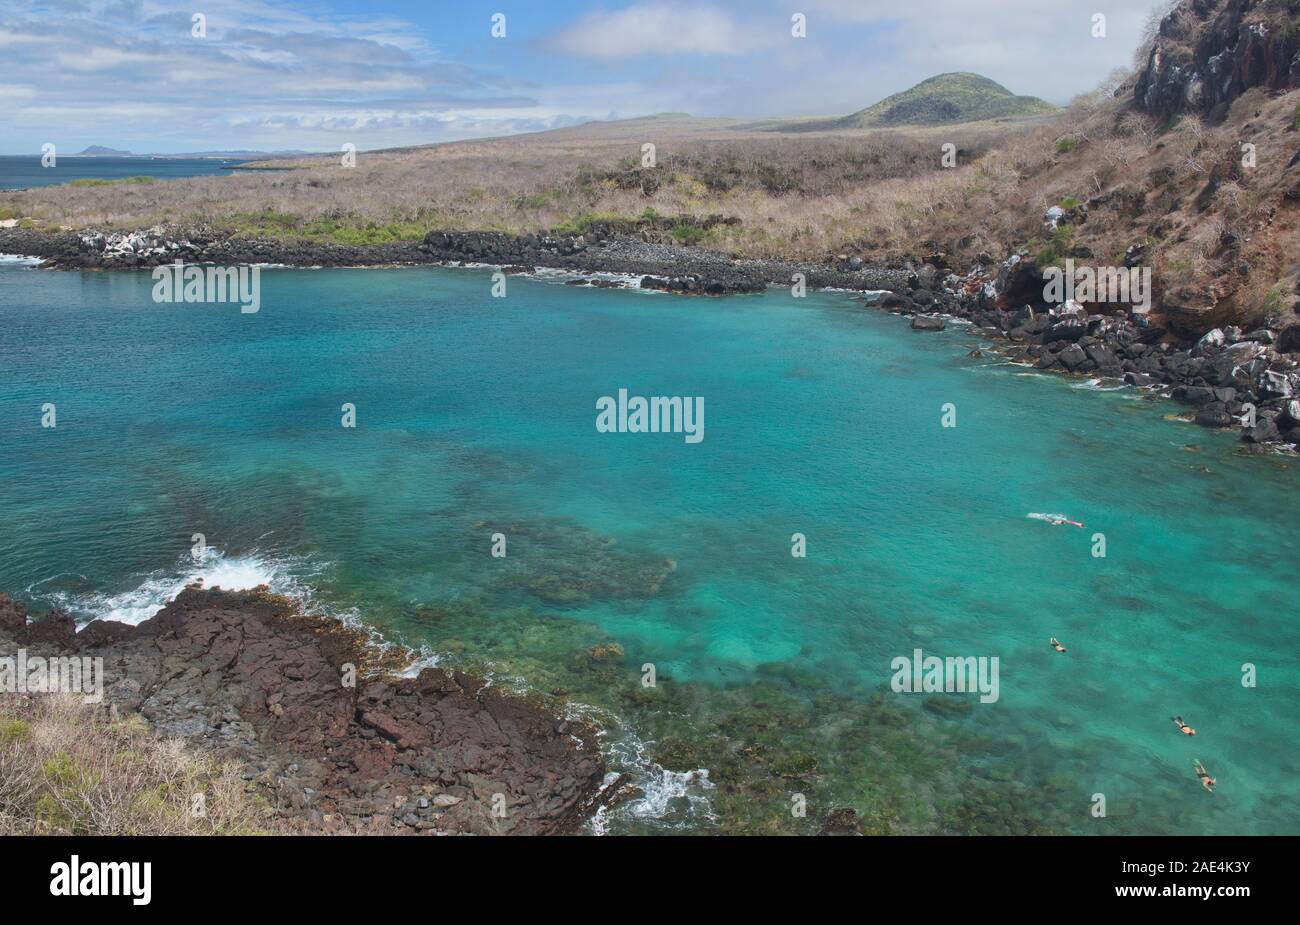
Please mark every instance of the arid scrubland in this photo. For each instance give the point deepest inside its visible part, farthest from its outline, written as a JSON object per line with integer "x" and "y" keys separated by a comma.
{"x": 803, "y": 194}
{"x": 65, "y": 770}
{"x": 1215, "y": 225}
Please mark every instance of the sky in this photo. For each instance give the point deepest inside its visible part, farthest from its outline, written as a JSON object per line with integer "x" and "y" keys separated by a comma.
{"x": 317, "y": 74}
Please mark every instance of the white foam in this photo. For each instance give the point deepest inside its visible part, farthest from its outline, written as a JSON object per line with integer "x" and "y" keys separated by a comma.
{"x": 1050, "y": 518}
{"x": 19, "y": 260}
{"x": 156, "y": 590}
{"x": 671, "y": 799}
{"x": 630, "y": 280}
{"x": 426, "y": 659}
{"x": 1099, "y": 385}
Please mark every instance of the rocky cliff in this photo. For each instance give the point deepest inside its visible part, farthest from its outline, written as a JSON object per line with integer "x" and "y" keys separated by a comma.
{"x": 1207, "y": 53}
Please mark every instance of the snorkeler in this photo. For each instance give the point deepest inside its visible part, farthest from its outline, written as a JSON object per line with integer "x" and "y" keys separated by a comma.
{"x": 1056, "y": 644}
{"x": 1183, "y": 727}
{"x": 1055, "y": 520}
{"x": 1207, "y": 781}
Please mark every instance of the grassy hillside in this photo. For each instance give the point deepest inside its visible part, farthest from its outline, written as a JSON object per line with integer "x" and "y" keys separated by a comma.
{"x": 945, "y": 99}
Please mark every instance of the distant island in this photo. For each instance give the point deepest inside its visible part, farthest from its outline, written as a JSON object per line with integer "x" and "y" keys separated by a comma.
{"x": 101, "y": 151}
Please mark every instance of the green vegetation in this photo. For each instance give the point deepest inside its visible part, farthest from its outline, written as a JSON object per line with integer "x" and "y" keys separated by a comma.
{"x": 959, "y": 97}
{"x": 343, "y": 230}
{"x": 96, "y": 181}
{"x": 1067, "y": 145}
{"x": 12, "y": 730}
{"x": 1272, "y": 304}
{"x": 1057, "y": 248}
{"x": 688, "y": 234}
{"x": 586, "y": 221}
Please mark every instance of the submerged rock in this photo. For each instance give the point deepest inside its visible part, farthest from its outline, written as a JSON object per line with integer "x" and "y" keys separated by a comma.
{"x": 841, "y": 822}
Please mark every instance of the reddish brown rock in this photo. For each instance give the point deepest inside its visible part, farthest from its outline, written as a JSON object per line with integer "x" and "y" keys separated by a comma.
{"x": 247, "y": 676}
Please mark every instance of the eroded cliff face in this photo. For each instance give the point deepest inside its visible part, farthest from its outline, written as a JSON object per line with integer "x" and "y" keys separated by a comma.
{"x": 1207, "y": 53}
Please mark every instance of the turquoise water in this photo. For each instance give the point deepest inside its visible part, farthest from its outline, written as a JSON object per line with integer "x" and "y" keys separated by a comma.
{"x": 477, "y": 415}
{"x": 25, "y": 171}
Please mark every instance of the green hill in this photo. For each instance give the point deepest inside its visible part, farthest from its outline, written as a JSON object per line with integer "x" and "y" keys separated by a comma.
{"x": 941, "y": 100}
{"x": 944, "y": 99}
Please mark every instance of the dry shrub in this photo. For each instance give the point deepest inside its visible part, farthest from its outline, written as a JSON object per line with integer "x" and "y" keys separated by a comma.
{"x": 66, "y": 769}
{"x": 796, "y": 194}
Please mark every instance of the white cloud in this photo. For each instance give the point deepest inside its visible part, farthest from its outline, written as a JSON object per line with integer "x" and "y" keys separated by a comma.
{"x": 293, "y": 74}
{"x": 659, "y": 29}
{"x": 1038, "y": 47}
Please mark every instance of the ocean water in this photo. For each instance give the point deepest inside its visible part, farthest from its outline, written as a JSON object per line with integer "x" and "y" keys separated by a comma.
{"x": 21, "y": 171}
{"x": 476, "y": 416}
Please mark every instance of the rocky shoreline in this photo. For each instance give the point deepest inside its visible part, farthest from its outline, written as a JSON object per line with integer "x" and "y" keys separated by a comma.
{"x": 1224, "y": 374}
{"x": 1249, "y": 381}
{"x": 248, "y": 677}
{"x": 664, "y": 266}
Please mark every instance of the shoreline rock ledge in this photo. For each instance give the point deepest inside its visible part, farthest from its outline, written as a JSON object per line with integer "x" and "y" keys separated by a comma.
{"x": 250, "y": 678}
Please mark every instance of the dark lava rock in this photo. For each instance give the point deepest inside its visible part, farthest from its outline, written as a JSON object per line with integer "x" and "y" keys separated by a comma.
{"x": 927, "y": 323}
{"x": 1207, "y": 53}
{"x": 1263, "y": 432}
{"x": 1072, "y": 357}
{"x": 1211, "y": 417}
{"x": 1069, "y": 329}
{"x": 249, "y": 677}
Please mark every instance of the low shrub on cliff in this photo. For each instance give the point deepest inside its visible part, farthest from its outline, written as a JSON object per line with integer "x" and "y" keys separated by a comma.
{"x": 64, "y": 769}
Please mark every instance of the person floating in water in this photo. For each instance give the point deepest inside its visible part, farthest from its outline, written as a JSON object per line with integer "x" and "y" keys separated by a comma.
{"x": 1056, "y": 520}
{"x": 1056, "y": 644}
{"x": 1207, "y": 781}
{"x": 1183, "y": 727}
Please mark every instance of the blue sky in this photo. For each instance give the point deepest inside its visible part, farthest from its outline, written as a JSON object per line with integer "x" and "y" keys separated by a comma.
{"x": 314, "y": 74}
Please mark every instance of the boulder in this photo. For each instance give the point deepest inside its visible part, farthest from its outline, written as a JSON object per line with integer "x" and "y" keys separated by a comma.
{"x": 1208, "y": 417}
{"x": 1072, "y": 357}
{"x": 928, "y": 323}
{"x": 1264, "y": 431}
{"x": 1069, "y": 329}
{"x": 1288, "y": 339}
{"x": 1101, "y": 355}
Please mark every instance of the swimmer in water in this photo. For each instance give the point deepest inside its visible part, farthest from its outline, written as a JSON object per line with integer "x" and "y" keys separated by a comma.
{"x": 1057, "y": 521}
{"x": 1056, "y": 644}
{"x": 1207, "y": 781}
{"x": 1183, "y": 727}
